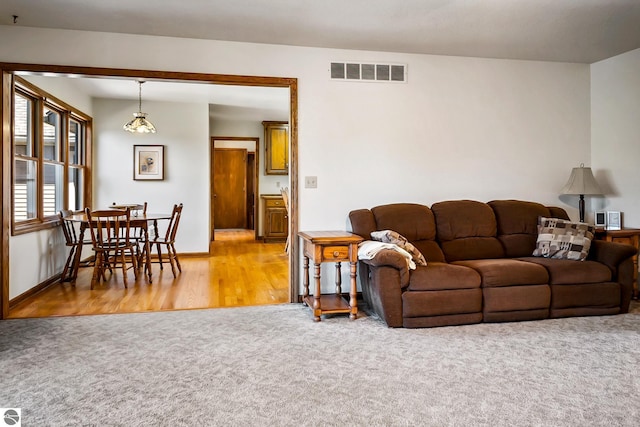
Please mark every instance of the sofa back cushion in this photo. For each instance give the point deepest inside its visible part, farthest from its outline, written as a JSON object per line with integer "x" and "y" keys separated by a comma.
{"x": 467, "y": 229}
{"x": 518, "y": 224}
{"x": 413, "y": 221}
{"x": 362, "y": 223}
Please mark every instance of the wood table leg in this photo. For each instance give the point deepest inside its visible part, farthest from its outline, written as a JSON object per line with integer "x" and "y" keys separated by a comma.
{"x": 147, "y": 250}
{"x": 353, "y": 302}
{"x": 305, "y": 280}
{"x": 78, "y": 255}
{"x": 338, "y": 278}
{"x": 317, "y": 308}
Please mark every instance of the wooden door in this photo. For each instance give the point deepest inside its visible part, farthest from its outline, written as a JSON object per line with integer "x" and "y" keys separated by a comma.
{"x": 229, "y": 188}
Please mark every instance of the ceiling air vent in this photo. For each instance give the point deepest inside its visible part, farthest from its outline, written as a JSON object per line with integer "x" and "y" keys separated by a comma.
{"x": 368, "y": 72}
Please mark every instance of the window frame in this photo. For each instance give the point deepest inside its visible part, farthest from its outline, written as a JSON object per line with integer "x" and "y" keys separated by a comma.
{"x": 42, "y": 100}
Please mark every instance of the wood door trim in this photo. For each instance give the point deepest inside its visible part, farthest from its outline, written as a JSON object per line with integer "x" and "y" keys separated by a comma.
{"x": 286, "y": 82}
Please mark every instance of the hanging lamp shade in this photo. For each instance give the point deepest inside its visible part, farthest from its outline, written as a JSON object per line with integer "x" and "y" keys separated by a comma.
{"x": 139, "y": 124}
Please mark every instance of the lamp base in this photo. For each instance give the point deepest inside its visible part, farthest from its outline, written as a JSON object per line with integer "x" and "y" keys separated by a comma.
{"x": 581, "y": 207}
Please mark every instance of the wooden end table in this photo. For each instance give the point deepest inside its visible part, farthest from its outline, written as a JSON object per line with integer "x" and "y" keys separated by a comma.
{"x": 629, "y": 236}
{"x": 330, "y": 246}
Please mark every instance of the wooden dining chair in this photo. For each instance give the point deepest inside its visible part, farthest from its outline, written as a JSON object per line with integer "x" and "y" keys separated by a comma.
{"x": 137, "y": 233}
{"x": 72, "y": 241}
{"x": 111, "y": 240}
{"x": 168, "y": 241}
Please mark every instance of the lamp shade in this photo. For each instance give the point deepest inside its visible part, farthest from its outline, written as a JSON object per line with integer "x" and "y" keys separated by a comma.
{"x": 581, "y": 182}
{"x": 139, "y": 124}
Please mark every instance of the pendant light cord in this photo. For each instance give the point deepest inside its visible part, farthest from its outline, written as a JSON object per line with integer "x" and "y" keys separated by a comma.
{"x": 139, "y": 96}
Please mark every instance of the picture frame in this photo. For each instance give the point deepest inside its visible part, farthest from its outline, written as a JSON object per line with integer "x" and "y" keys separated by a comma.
{"x": 614, "y": 220}
{"x": 148, "y": 162}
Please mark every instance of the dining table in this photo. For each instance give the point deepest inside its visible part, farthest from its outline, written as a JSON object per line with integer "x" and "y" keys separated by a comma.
{"x": 140, "y": 220}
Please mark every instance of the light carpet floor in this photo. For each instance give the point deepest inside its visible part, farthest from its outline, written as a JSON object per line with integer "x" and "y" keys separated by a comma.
{"x": 272, "y": 365}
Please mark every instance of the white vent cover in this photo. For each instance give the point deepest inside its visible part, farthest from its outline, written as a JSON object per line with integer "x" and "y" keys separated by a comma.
{"x": 368, "y": 72}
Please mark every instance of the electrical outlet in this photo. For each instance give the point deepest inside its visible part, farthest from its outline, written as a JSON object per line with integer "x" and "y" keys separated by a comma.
{"x": 310, "y": 182}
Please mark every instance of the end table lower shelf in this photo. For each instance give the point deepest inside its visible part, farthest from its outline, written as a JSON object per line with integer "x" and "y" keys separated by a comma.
{"x": 329, "y": 304}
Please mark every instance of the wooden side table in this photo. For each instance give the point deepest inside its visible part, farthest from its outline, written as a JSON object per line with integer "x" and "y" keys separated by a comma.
{"x": 330, "y": 246}
{"x": 629, "y": 236}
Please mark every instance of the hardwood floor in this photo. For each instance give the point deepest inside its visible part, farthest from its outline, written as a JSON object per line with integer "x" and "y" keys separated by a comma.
{"x": 239, "y": 272}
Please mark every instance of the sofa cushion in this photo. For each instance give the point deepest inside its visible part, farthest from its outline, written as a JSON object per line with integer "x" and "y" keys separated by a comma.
{"x": 467, "y": 230}
{"x": 439, "y": 276}
{"x": 563, "y": 239}
{"x": 516, "y": 298}
{"x": 362, "y": 222}
{"x": 564, "y": 271}
{"x": 507, "y": 272}
{"x": 413, "y": 221}
{"x": 516, "y": 216}
{"x": 442, "y": 303}
{"x": 390, "y": 236}
{"x": 586, "y": 295}
{"x": 518, "y": 225}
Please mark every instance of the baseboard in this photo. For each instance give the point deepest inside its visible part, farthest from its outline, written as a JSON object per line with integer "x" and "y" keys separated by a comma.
{"x": 183, "y": 255}
{"x": 31, "y": 292}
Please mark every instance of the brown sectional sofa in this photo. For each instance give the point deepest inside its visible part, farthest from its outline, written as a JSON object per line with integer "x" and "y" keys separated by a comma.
{"x": 480, "y": 267}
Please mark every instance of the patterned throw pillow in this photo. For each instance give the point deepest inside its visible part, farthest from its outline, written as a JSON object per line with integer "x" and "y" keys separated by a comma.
{"x": 390, "y": 236}
{"x": 562, "y": 239}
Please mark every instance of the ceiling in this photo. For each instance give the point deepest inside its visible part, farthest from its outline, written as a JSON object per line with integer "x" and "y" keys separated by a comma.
{"x": 250, "y": 103}
{"x": 583, "y": 31}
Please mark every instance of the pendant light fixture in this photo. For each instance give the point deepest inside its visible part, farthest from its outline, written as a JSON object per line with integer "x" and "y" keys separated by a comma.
{"x": 140, "y": 124}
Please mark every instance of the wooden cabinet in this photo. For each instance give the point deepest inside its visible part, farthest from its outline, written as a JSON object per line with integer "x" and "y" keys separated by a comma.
{"x": 275, "y": 220}
{"x": 276, "y": 143}
{"x": 629, "y": 236}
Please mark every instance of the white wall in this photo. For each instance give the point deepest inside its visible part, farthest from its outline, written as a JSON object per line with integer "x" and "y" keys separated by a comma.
{"x": 183, "y": 129}
{"x": 460, "y": 128}
{"x": 34, "y": 258}
{"x": 615, "y": 134}
{"x": 64, "y": 89}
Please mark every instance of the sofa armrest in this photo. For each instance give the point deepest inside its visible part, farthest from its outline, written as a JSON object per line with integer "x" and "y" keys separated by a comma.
{"x": 385, "y": 294}
{"x": 611, "y": 254}
{"x": 393, "y": 259}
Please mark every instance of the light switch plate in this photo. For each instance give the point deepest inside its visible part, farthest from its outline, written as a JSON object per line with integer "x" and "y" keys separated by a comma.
{"x": 310, "y": 182}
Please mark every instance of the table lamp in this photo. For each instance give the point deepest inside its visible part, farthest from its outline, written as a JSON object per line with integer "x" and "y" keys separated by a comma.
{"x": 581, "y": 182}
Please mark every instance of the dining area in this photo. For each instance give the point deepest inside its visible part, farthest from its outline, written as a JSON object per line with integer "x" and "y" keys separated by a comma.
{"x": 117, "y": 240}
{"x": 239, "y": 271}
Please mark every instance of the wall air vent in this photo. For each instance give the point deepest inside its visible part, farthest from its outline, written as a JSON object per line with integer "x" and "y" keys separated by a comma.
{"x": 368, "y": 72}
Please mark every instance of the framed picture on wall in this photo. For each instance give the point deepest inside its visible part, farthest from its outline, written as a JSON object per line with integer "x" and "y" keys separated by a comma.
{"x": 148, "y": 162}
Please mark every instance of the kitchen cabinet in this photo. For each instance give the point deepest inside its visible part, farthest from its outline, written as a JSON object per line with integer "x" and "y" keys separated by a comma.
{"x": 276, "y": 143}
{"x": 275, "y": 220}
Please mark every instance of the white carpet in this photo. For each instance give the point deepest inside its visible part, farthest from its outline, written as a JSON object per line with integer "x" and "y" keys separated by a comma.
{"x": 272, "y": 365}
